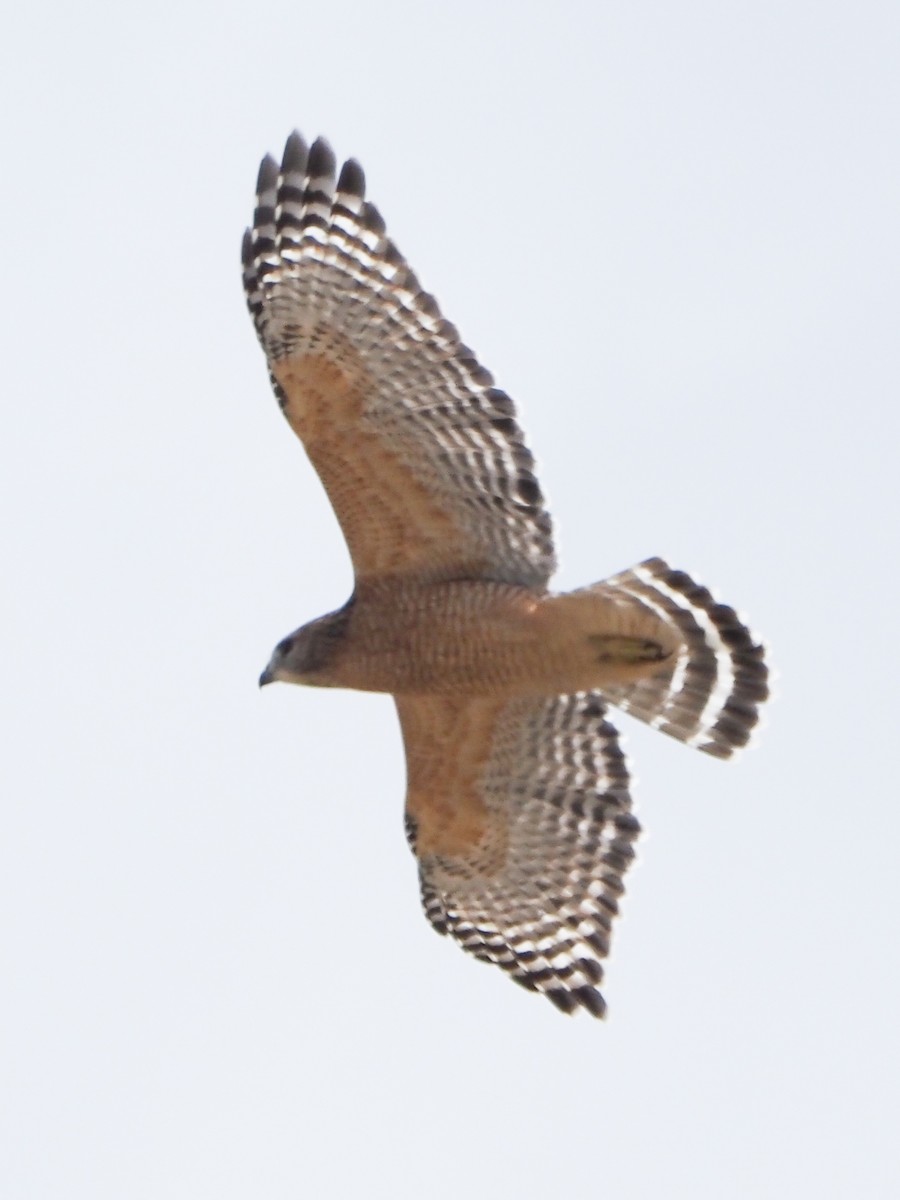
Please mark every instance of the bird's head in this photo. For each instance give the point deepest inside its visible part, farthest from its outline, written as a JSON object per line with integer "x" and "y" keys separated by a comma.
{"x": 307, "y": 655}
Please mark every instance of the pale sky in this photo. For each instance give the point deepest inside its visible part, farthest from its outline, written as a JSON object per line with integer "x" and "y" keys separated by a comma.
{"x": 671, "y": 232}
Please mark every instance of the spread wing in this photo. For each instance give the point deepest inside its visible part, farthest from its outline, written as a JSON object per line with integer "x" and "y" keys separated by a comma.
{"x": 709, "y": 696}
{"x": 421, "y": 456}
{"x": 519, "y": 814}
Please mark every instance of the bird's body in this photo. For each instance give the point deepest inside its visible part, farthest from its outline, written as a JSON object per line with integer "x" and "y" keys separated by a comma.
{"x": 517, "y": 792}
{"x": 485, "y": 639}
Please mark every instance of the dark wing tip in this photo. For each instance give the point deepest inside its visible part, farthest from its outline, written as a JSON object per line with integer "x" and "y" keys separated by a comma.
{"x": 268, "y": 174}
{"x": 296, "y": 153}
{"x": 372, "y": 219}
{"x": 352, "y": 180}
{"x": 571, "y": 1000}
{"x": 322, "y": 162}
{"x": 590, "y": 999}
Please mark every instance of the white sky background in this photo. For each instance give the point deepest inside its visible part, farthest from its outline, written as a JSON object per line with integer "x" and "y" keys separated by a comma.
{"x": 671, "y": 231}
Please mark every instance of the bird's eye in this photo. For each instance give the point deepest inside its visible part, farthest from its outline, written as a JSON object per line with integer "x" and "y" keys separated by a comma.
{"x": 285, "y": 646}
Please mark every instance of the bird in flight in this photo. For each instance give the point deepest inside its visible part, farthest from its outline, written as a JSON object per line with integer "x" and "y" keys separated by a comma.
{"x": 517, "y": 807}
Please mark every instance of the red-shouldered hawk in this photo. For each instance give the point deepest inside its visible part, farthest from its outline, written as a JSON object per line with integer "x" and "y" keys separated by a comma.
{"x": 517, "y": 798}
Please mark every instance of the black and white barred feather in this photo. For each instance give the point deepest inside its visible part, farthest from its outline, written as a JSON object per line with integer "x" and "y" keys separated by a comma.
{"x": 710, "y": 696}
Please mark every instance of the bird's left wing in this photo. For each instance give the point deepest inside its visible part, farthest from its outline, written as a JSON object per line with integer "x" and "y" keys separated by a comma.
{"x": 420, "y": 454}
{"x": 519, "y": 814}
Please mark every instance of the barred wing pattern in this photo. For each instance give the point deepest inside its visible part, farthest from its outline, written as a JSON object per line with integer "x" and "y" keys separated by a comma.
{"x": 530, "y": 873}
{"x": 710, "y": 696}
{"x": 421, "y": 456}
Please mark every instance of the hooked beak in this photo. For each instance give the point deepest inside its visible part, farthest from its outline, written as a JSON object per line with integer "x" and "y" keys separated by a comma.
{"x": 266, "y": 677}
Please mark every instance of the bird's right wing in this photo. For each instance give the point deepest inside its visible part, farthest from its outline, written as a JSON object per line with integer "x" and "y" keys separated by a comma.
{"x": 519, "y": 814}
{"x": 420, "y": 454}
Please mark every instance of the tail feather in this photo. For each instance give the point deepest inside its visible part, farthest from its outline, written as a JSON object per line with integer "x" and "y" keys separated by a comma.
{"x": 709, "y": 697}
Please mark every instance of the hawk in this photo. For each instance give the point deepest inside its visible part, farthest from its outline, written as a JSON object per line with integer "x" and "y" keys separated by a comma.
{"x": 518, "y": 807}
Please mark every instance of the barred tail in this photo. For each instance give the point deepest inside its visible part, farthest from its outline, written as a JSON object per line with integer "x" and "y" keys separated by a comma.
{"x": 710, "y": 696}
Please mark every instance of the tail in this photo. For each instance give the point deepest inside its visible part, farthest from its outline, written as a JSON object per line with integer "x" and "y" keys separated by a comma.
{"x": 709, "y": 694}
